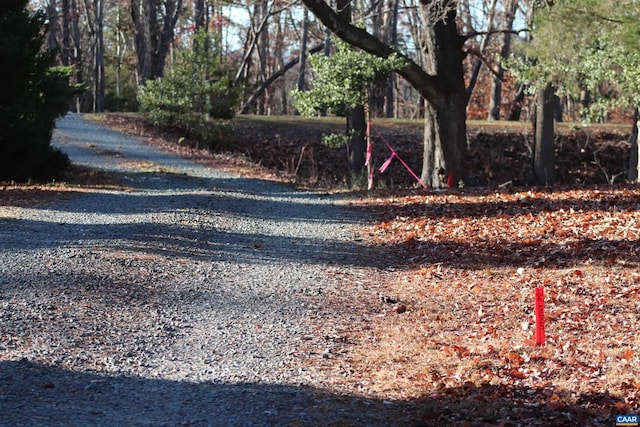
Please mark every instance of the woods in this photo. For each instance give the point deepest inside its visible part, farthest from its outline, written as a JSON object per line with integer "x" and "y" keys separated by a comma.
{"x": 466, "y": 59}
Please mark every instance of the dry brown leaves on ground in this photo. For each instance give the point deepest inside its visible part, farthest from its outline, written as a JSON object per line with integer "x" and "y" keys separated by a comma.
{"x": 468, "y": 335}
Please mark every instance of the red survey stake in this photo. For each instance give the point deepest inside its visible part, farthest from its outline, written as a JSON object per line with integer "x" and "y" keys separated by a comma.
{"x": 539, "y": 310}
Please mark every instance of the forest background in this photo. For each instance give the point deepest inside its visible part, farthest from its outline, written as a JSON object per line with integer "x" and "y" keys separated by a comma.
{"x": 190, "y": 61}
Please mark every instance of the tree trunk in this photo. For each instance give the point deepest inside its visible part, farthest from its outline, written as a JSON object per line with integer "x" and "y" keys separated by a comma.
{"x": 515, "y": 110}
{"x": 543, "y": 156}
{"x": 172, "y": 10}
{"x": 52, "y": 16}
{"x": 99, "y": 71}
{"x": 199, "y": 14}
{"x": 144, "y": 16}
{"x": 634, "y": 159}
{"x": 495, "y": 97}
{"x": 95, "y": 20}
{"x": 445, "y": 139}
{"x": 441, "y": 157}
{"x": 302, "y": 83}
{"x": 66, "y": 33}
{"x": 357, "y": 126}
{"x": 153, "y": 38}
{"x": 77, "y": 48}
{"x": 389, "y": 108}
{"x": 263, "y": 54}
{"x": 356, "y": 120}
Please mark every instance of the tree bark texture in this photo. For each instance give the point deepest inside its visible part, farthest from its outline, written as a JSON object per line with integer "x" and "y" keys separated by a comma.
{"x": 445, "y": 121}
{"x": 66, "y": 33}
{"x": 357, "y": 125}
{"x": 52, "y": 16}
{"x": 543, "y": 158}
{"x": 302, "y": 73}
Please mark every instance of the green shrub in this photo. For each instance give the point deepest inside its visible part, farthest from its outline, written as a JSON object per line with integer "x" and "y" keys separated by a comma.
{"x": 195, "y": 88}
{"x": 33, "y": 95}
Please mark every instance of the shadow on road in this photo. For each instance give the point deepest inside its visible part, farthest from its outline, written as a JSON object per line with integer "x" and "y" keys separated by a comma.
{"x": 32, "y": 395}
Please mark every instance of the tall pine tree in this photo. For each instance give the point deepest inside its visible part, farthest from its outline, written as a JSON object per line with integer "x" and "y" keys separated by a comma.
{"x": 33, "y": 94}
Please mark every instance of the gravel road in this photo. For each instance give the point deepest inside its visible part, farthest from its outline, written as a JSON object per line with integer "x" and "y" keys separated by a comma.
{"x": 189, "y": 297}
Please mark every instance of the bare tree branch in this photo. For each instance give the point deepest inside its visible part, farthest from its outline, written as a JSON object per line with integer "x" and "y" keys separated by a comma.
{"x": 256, "y": 94}
{"x": 486, "y": 62}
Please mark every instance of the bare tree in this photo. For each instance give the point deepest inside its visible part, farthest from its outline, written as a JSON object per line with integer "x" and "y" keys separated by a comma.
{"x": 154, "y": 25}
{"x": 303, "y": 51}
{"x": 52, "y": 17}
{"x": 95, "y": 21}
{"x": 477, "y": 63}
{"x": 495, "y": 97}
{"x": 440, "y": 82}
{"x": 199, "y": 14}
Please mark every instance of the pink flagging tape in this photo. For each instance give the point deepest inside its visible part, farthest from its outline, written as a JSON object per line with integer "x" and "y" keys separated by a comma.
{"x": 387, "y": 162}
{"x": 394, "y": 154}
{"x": 367, "y": 161}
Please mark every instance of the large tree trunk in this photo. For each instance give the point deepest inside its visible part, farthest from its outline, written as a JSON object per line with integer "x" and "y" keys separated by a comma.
{"x": 357, "y": 125}
{"x": 144, "y": 15}
{"x": 543, "y": 158}
{"x": 441, "y": 157}
{"x": 356, "y": 120}
{"x": 445, "y": 140}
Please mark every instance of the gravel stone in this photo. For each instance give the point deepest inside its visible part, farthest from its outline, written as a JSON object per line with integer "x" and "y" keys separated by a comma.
{"x": 190, "y": 297}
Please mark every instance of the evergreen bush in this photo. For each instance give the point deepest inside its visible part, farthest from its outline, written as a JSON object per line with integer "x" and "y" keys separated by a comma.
{"x": 33, "y": 94}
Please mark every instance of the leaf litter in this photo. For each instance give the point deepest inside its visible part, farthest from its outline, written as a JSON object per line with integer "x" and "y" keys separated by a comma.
{"x": 470, "y": 261}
